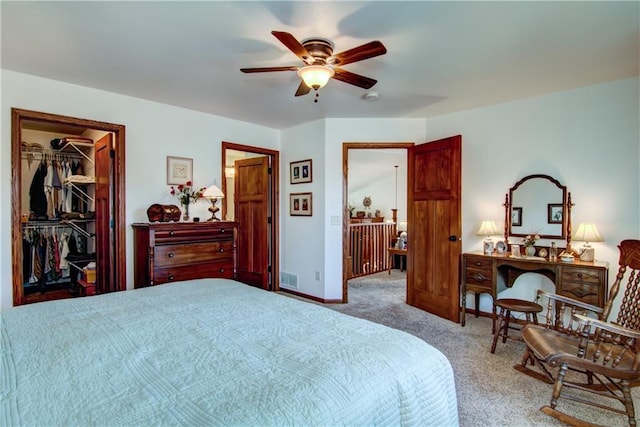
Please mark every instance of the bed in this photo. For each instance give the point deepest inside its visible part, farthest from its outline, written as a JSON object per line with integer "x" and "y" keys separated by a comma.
{"x": 214, "y": 352}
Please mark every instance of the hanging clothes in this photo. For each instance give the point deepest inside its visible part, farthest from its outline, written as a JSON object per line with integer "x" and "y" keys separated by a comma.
{"x": 37, "y": 196}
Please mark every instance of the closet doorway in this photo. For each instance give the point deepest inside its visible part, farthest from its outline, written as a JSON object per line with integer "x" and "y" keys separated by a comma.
{"x": 369, "y": 172}
{"x": 101, "y": 221}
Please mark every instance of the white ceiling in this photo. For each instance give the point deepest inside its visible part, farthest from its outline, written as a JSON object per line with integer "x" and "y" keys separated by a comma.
{"x": 442, "y": 56}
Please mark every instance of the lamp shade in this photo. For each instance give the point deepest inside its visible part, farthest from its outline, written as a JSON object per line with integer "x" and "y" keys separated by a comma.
{"x": 487, "y": 228}
{"x": 315, "y": 76}
{"x": 213, "y": 192}
{"x": 587, "y": 232}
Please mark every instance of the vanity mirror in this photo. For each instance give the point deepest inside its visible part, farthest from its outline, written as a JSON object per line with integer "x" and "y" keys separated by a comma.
{"x": 538, "y": 204}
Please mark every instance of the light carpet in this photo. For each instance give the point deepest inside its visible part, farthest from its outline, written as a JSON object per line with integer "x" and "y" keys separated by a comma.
{"x": 490, "y": 392}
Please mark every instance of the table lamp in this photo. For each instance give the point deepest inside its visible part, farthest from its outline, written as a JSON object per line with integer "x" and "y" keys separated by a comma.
{"x": 488, "y": 228}
{"x": 587, "y": 232}
{"x": 213, "y": 193}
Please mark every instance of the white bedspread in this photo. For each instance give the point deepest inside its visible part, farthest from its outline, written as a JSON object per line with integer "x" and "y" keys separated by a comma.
{"x": 214, "y": 352}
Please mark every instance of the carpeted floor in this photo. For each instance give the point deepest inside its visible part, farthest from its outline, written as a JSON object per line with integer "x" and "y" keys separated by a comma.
{"x": 490, "y": 391}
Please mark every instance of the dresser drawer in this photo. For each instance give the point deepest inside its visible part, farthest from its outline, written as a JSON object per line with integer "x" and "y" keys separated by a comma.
{"x": 478, "y": 272}
{"x": 222, "y": 268}
{"x": 190, "y": 253}
{"x": 197, "y": 234}
{"x": 584, "y": 284}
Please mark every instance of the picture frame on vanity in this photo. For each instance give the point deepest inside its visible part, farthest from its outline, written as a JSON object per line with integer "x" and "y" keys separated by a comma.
{"x": 300, "y": 204}
{"x": 516, "y": 217}
{"x": 300, "y": 171}
{"x": 179, "y": 170}
{"x": 554, "y": 213}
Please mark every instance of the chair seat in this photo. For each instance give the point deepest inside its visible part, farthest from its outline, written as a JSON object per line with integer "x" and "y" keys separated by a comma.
{"x": 556, "y": 348}
{"x": 514, "y": 304}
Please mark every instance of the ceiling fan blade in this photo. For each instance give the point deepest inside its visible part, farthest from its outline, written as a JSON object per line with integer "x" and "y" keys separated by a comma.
{"x": 366, "y": 51}
{"x": 353, "y": 78}
{"x": 294, "y": 46}
{"x": 268, "y": 69}
{"x": 303, "y": 89}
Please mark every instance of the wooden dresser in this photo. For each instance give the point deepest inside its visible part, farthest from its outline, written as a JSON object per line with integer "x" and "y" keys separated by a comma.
{"x": 482, "y": 273}
{"x": 168, "y": 252}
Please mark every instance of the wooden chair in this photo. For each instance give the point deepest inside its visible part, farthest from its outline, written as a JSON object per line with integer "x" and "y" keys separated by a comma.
{"x": 606, "y": 353}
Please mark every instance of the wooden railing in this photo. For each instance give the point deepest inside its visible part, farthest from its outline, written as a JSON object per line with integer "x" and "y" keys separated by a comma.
{"x": 369, "y": 244}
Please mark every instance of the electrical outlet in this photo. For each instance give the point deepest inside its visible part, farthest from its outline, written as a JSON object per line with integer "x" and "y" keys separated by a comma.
{"x": 317, "y": 275}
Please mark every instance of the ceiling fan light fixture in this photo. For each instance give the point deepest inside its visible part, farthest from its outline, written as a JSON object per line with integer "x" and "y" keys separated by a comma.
{"x": 315, "y": 76}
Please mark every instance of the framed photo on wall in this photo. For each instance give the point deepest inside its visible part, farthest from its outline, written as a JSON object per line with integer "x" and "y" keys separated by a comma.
{"x": 516, "y": 217}
{"x": 179, "y": 170}
{"x": 554, "y": 213}
{"x": 300, "y": 204}
{"x": 300, "y": 171}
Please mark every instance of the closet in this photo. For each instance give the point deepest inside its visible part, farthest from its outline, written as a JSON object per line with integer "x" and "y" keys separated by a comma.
{"x": 67, "y": 207}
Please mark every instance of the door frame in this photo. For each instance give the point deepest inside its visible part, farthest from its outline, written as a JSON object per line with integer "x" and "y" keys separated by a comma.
{"x": 346, "y": 250}
{"x": 274, "y": 197}
{"x": 18, "y": 116}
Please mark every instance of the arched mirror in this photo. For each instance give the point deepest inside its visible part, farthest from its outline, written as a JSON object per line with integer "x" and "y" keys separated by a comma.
{"x": 538, "y": 204}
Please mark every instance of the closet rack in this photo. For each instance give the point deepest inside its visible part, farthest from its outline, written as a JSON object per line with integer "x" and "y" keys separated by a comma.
{"x": 62, "y": 223}
{"x": 49, "y": 154}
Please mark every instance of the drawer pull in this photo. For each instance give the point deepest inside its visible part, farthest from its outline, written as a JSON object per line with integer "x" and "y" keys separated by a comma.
{"x": 480, "y": 278}
{"x": 170, "y": 277}
{"x": 170, "y": 255}
{"x": 172, "y": 233}
{"x": 222, "y": 230}
{"x": 221, "y": 250}
{"x": 222, "y": 270}
{"x": 478, "y": 263}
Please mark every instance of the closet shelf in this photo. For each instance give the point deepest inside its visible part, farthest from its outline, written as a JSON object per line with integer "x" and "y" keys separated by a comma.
{"x": 79, "y": 191}
{"x": 80, "y": 147}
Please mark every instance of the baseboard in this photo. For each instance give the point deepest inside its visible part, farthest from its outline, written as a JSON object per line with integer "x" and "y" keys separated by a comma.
{"x": 310, "y": 297}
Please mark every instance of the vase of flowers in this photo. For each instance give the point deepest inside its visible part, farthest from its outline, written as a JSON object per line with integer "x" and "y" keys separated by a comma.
{"x": 186, "y": 194}
{"x": 528, "y": 241}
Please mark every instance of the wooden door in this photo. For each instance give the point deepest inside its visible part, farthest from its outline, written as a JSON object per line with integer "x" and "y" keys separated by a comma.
{"x": 434, "y": 227}
{"x": 252, "y": 212}
{"x": 105, "y": 245}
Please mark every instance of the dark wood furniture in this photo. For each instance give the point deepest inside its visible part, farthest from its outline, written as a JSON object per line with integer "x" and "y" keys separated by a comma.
{"x": 169, "y": 252}
{"x": 506, "y": 307}
{"x": 606, "y": 353}
{"x": 482, "y": 273}
{"x": 403, "y": 257}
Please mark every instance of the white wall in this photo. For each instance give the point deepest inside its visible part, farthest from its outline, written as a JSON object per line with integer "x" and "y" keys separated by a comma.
{"x": 301, "y": 237}
{"x": 153, "y": 131}
{"x": 373, "y": 173}
{"x": 586, "y": 138}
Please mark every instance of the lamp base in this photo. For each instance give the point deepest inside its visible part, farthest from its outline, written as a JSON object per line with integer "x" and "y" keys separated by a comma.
{"x": 587, "y": 254}
{"x": 488, "y": 246}
{"x": 213, "y": 209}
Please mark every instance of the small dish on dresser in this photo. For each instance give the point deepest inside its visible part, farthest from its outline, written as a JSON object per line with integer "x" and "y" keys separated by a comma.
{"x": 566, "y": 258}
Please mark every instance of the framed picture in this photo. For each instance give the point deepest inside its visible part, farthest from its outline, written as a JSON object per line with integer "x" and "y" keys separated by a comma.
{"x": 516, "y": 217}
{"x": 300, "y": 204}
{"x": 300, "y": 171}
{"x": 554, "y": 213}
{"x": 179, "y": 170}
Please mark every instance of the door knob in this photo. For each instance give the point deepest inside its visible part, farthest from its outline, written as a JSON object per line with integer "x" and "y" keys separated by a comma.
{"x": 453, "y": 238}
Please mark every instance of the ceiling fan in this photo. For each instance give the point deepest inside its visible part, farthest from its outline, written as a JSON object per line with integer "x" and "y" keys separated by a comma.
{"x": 321, "y": 64}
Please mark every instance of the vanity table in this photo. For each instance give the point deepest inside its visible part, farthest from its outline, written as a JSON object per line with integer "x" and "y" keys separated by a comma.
{"x": 492, "y": 273}
{"x": 536, "y": 205}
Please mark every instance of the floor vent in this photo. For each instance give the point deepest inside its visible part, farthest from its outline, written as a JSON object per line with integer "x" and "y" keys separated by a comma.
{"x": 288, "y": 280}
